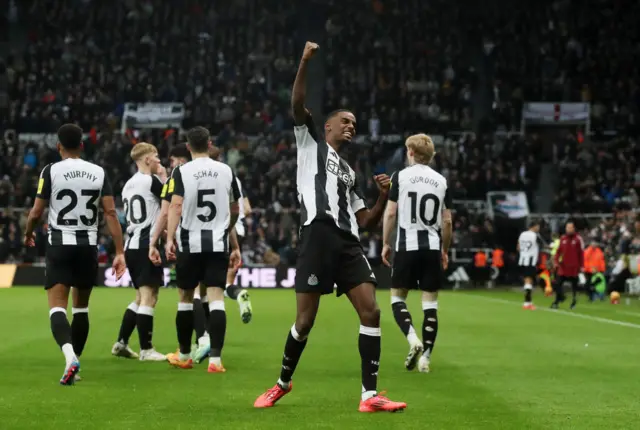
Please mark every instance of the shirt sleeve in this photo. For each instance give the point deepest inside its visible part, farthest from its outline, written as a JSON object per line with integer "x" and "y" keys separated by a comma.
{"x": 106, "y": 186}
{"x": 157, "y": 187}
{"x": 175, "y": 183}
{"x": 448, "y": 203}
{"x": 306, "y": 134}
{"x": 357, "y": 198}
{"x": 235, "y": 194}
{"x": 394, "y": 188}
{"x": 44, "y": 183}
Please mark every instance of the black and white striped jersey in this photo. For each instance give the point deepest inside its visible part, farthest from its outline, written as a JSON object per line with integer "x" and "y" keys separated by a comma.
{"x": 422, "y": 195}
{"x": 327, "y": 185}
{"x": 529, "y": 248}
{"x": 141, "y": 199}
{"x": 73, "y": 188}
{"x": 240, "y": 230}
{"x": 208, "y": 188}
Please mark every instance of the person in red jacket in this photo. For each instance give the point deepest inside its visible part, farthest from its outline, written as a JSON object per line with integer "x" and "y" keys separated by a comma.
{"x": 569, "y": 263}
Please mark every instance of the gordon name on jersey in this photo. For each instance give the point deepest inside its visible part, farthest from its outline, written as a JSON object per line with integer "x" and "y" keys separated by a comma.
{"x": 73, "y": 188}
{"x": 208, "y": 187}
{"x": 141, "y": 200}
{"x": 327, "y": 185}
{"x": 422, "y": 194}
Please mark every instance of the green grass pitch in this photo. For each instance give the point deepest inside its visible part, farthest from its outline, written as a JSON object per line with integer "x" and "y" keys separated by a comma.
{"x": 495, "y": 366}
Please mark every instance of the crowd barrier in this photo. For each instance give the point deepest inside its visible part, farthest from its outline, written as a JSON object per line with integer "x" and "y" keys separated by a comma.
{"x": 12, "y": 275}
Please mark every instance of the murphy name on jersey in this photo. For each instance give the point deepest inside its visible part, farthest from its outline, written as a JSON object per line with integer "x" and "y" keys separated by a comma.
{"x": 73, "y": 188}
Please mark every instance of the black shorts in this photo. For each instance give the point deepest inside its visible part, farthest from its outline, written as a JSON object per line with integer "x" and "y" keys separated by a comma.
{"x": 210, "y": 268}
{"x": 142, "y": 271}
{"x": 528, "y": 271}
{"x": 417, "y": 270}
{"x": 71, "y": 265}
{"x": 328, "y": 256}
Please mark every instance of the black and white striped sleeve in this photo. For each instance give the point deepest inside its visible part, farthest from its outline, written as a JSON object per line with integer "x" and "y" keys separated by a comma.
{"x": 357, "y": 198}
{"x": 44, "y": 183}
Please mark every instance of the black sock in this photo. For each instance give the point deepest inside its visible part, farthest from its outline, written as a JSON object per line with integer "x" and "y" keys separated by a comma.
{"x": 145, "y": 327}
{"x": 217, "y": 327}
{"x": 402, "y": 316}
{"x": 292, "y": 353}
{"x": 559, "y": 289}
{"x": 205, "y": 309}
{"x": 527, "y": 295}
{"x": 184, "y": 326}
{"x": 199, "y": 321}
{"x": 233, "y": 291}
{"x": 128, "y": 323}
{"x": 79, "y": 329}
{"x": 369, "y": 346}
{"x": 60, "y": 326}
{"x": 429, "y": 330}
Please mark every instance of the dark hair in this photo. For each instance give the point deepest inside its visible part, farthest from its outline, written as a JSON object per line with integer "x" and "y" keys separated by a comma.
{"x": 534, "y": 223}
{"x": 198, "y": 138}
{"x": 70, "y": 136}
{"x": 180, "y": 151}
{"x": 335, "y": 112}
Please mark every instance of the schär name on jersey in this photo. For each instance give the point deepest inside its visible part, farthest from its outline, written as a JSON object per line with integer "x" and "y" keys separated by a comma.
{"x": 205, "y": 174}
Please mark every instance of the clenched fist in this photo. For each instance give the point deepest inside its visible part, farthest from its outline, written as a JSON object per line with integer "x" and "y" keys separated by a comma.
{"x": 310, "y": 49}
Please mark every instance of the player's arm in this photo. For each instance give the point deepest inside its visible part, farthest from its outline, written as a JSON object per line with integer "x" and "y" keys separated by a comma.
{"x": 391, "y": 212}
{"x": 176, "y": 188}
{"x": 161, "y": 221}
{"x": 245, "y": 201}
{"x": 235, "y": 194}
{"x": 41, "y": 201}
{"x": 111, "y": 216}
{"x": 369, "y": 218}
{"x": 447, "y": 222}
{"x": 298, "y": 93}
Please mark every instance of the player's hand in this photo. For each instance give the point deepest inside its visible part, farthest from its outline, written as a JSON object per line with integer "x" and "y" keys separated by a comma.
{"x": 383, "y": 182}
{"x": 170, "y": 250}
{"x": 29, "y": 239}
{"x": 445, "y": 260}
{"x": 154, "y": 256}
{"x": 310, "y": 49}
{"x": 118, "y": 266}
{"x": 386, "y": 254}
{"x": 235, "y": 259}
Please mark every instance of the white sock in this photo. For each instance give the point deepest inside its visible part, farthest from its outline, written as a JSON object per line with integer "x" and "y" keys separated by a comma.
{"x": 215, "y": 360}
{"x": 69, "y": 353}
{"x": 412, "y": 337}
{"x": 204, "y": 339}
{"x": 366, "y": 395}
{"x": 184, "y": 357}
{"x": 284, "y": 385}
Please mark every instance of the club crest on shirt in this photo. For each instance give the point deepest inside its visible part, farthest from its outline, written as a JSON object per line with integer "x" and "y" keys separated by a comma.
{"x": 342, "y": 174}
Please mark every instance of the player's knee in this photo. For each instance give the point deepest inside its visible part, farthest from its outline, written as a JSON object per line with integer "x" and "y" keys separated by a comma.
{"x": 370, "y": 316}
{"x": 148, "y": 296}
{"x": 304, "y": 324}
{"x": 428, "y": 296}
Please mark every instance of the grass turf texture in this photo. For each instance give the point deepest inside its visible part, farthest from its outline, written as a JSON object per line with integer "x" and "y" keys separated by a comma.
{"x": 496, "y": 366}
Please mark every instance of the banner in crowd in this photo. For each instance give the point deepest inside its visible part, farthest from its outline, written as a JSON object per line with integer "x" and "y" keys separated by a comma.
{"x": 556, "y": 113}
{"x": 152, "y": 115}
{"x": 507, "y": 204}
{"x": 248, "y": 277}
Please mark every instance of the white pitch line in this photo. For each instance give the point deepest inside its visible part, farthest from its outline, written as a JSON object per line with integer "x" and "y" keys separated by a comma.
{"x": 563, "y": 312}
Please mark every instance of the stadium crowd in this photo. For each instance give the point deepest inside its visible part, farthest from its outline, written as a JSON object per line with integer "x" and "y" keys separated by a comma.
{"x": 232, "y": 66}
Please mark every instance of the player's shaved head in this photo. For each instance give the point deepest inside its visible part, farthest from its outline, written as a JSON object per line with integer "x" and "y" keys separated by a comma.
{"x": 199, "y": 138}
{"x": 70, "y": 136}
